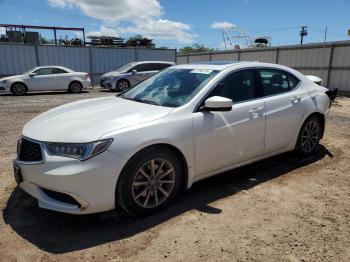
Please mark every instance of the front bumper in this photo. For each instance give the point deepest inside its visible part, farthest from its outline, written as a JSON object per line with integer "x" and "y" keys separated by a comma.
{"x": 91, "y": 184}
{"x": 87, "y": 84}
{"x": 5, "y": 88}
{"x": 107, "y": 83}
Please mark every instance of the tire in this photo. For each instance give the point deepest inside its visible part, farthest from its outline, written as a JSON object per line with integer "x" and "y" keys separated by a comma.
{"x": 18, "y": 89}
{"x": 75, "y": 87}
{"x": 140, "y": 193}
{"x": 122, "y": 85}
{"x": 309, "y": 136}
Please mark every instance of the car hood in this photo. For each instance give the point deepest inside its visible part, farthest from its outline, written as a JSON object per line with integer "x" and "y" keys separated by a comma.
{"x": 88, "y": 120}
{"x": 11, "y": 77}
{"x": 113, "y": 73}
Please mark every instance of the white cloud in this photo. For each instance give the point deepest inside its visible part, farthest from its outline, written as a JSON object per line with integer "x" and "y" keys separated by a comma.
{"x": 105, "y": 31}
{"x": 221, "y": 25}
{"x": 162, "y": 29}
{"x": 144, "y": 17}
{"x": 111, "y": 11}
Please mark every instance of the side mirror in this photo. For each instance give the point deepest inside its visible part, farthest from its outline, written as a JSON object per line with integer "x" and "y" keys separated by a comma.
{"x": 134, "y": 71}
{"x": 217, "y": 103}
{"x": 32, "y": 74}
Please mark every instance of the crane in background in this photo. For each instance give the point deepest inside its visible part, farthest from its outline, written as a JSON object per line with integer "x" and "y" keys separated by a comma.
{"x": 236, "y": 37}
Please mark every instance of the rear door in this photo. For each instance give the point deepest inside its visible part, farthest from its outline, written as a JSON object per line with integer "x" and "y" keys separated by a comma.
{"x": 62, "y": 77}
{"x": 285, "y": 107}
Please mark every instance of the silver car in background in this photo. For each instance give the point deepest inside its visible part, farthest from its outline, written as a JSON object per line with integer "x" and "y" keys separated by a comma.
{"x": 131, "y": 74}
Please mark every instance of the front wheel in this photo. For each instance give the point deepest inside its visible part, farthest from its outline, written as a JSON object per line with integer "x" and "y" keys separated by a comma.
{"x": 19, "y": 89}
{"x": 150, "y": 181}
{"x": 122, "y": 86}
{"x": 309, "y": 136}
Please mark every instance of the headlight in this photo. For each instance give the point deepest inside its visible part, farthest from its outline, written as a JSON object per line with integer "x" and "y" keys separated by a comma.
{"x": 81, "y": 151}
{"x": 3, "y": 81}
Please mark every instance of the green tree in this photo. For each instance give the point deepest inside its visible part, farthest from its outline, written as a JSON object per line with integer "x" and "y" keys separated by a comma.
{"x": 46, "y": 41}
{"x": 196, "y": 48}
{"x": 139, "y": 40}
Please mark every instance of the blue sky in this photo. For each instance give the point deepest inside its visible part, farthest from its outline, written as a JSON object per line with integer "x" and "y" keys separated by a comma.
{"x": 180, "y": 23}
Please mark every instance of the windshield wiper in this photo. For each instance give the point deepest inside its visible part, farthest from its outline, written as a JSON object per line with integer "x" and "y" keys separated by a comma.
{"x": 139, "y": 100}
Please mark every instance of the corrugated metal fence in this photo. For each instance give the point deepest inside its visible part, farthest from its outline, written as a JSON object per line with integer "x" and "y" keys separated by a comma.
{"x": 330, "y": 61}
{"x": 17, "y": 58}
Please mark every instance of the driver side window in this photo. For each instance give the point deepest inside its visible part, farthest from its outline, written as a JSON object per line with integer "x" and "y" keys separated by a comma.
{"x": 237, "y": 86}
{"x": 44, "y": 71}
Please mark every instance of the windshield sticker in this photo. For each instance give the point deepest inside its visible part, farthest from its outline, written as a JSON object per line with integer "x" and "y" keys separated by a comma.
{"x": 201, "y": 71}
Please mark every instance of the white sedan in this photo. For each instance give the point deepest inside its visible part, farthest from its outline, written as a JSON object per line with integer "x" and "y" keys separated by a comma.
{"x": 188, "y": 122}
{"x": 46, "y": 78}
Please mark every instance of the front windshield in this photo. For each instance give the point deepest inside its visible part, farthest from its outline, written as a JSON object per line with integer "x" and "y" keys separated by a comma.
{"x": 171, "y": 87}
{"x": 126, "y": 68}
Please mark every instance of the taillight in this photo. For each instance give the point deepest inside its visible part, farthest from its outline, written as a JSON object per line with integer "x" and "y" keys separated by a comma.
{"x": 87, "y": 76}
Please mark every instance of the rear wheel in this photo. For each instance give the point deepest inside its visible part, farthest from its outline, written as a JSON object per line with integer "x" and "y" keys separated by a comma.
{"x": 122, "y": 85}
{"x": 19, "y": 89}
{"x": 309, "y": 136}
{"x": 75, "y": 87}
{"x": 150, "y": 181}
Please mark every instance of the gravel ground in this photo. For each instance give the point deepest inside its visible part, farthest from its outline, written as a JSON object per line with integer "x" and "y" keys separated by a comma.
{"x": 280, "y": 209}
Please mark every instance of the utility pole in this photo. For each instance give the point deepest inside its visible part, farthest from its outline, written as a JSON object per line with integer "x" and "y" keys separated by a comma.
{"x": 303, "y": 32}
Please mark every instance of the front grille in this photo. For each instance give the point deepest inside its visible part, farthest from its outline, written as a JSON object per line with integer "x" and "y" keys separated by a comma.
{"x": 101, "y": 82}
{"x": 29, "y": 151}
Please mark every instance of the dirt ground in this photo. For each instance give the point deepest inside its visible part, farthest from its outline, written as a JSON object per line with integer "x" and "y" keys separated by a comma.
{"x": 280, "y": 209}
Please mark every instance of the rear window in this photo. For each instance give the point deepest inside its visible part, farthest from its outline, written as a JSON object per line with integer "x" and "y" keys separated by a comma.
{"x": 277, "y": 81}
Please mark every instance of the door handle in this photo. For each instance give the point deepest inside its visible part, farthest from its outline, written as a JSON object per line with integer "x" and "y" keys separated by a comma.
{"x": 256, "y": 109}
{"x": 296, "y": 99}
{"x": 255, "y": 112}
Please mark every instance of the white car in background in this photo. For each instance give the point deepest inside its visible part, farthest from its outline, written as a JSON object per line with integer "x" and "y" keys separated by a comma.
{"x": 46, "y": 78}
{"x": 186, "y": 123}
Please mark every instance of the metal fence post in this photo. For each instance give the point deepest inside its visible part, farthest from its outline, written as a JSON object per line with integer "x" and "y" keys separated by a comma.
{"x": 36, "y": 55}
{"x": 277, "y": 55}
{"x": 136, "y": 54}
{"x": 330, "y": 66}
{"x": 91, "y": 65}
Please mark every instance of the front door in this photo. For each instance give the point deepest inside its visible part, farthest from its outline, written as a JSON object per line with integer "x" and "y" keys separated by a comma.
{"x": 226, "y": 138}
{"x": 44, "y": 79}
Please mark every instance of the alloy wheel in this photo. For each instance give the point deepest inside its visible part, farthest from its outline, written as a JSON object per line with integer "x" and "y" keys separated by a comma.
{"x": 18, "y": 89}
{"x": 153, "y": 183}
{"x": 310, "y": 137}
{"x": 75, "y": 87}
{"x": 123, "y": 86}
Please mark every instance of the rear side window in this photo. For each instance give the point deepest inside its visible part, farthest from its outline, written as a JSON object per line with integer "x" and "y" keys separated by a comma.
{"x": 142, "y": 68}
{"x": 162, "y": 66}
{"x": 238, "y": 86}
{"x": 58, "y": 71}
{"x": 277, "y": 81}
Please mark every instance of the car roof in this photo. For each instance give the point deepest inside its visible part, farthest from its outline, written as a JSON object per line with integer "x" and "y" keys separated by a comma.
{"x": 222, "y": 65}
{"x": 54, "y": 66}
{"x": 212, "y": 65}
{"x": 153, "y": 62}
